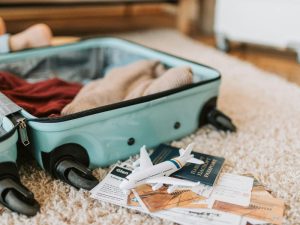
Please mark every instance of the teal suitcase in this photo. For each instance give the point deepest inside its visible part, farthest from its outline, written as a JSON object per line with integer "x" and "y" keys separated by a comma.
{"x": 13, "y": 194}
{"x": 69, "y": 146}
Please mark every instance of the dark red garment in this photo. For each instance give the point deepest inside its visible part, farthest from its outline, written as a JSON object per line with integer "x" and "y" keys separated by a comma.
{"x": 41, "y": 99}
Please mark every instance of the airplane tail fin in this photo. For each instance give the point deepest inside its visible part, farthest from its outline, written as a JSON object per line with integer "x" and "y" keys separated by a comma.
{"x": 187, "y": 152}
{"x": 145, "y": 161}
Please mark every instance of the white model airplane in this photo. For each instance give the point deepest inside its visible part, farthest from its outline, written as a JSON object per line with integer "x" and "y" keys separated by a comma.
{"x": 158, "y": 175}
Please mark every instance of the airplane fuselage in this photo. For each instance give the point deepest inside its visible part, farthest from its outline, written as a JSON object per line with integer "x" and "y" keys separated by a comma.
{"x": 162, "y": 169}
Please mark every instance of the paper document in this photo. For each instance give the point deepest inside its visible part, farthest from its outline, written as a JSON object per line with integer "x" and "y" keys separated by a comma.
{"x": 234, "y": 189}
{"x": 263, "y": 206}
{"x": 209, "y": 216}
{"x": 203, "y": 190}
{"x": 230, "y": 188}
{"x": 109, "y": 189}
{"x": 235, "y": 200}
{"x": 161, "y": 199}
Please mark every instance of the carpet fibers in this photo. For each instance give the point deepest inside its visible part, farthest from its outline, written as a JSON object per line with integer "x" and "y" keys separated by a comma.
{"x": 265, "y": 108}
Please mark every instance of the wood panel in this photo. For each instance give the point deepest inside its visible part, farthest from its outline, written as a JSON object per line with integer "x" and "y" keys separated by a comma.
{"x": 188, "y": 14}
{"x": 82, "y": 20}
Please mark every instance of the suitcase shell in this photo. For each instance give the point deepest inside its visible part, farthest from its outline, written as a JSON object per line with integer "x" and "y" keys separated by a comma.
{"x": 104, "y": 135}
{"x": 13, "y": 193}
{"x": 8, "y": 147}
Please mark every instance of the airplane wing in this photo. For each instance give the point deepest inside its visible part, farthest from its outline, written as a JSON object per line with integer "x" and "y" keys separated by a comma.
{"x": 171, "y": 181}
{"x": 145, "y": 161}
{"x": 195, "y": 161}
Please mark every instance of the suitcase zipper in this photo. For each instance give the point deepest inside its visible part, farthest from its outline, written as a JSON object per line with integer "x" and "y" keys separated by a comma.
{"x": 23, "y": 131}
{"x": 20, "y": 122}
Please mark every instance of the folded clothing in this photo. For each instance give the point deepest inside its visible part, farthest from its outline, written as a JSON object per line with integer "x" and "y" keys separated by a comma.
{"x": 134, "y": 80}
{"x": 41, "y": 99}
{"x": 55, "y": 97}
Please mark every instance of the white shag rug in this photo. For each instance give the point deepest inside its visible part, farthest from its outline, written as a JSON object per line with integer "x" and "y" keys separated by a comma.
{"x": 265, "y": 108}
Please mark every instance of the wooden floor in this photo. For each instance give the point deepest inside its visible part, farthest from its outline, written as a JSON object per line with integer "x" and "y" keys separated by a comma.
{"x": 282, "y": 63}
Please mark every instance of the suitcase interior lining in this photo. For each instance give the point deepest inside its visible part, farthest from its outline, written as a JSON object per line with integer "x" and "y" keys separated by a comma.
{"x": 81, "y": 65}
{"x": 84, "y": 63}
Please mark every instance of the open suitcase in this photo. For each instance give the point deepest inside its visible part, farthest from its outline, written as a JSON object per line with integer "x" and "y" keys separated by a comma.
{"x": 68, "y": 146}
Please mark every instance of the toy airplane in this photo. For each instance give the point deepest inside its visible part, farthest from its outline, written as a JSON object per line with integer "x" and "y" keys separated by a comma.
{"x": 158, "y": 175}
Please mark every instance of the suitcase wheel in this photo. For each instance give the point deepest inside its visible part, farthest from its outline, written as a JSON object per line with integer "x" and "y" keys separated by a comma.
{"x": 16, "y": 197}
{"x": 75, "y": 174}
{"x": 69, "y": 162}
{"x": 211, "y": 115}
{"x": 220, "y": 121}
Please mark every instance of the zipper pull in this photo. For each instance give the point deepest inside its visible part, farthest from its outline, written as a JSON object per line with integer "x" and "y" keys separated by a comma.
{"x": 23, "y": 131}
{"x": 19, "y": 121}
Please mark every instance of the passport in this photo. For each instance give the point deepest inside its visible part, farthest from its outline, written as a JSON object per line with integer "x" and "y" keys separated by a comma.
{"x": 206, "y": 173}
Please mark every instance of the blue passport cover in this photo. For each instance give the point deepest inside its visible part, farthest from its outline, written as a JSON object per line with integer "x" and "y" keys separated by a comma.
{"x": 206, "y": 173}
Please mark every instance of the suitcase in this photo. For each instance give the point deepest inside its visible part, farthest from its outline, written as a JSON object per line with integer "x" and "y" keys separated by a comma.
{"x": 13, "y": 194}
{"x": 69, "y": 146}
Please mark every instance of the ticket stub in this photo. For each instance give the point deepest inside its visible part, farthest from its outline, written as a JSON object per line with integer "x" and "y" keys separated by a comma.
{"x": 109, "y": 189}
{"x": 234, "y": 189}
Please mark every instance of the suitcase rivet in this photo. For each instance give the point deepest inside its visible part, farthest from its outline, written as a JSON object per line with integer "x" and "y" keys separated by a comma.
{"x": 131, "y": 141}
{"x": 177, "y": 125}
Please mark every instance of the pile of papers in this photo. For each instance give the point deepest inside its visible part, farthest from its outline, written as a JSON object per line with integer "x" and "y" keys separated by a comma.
{"x": 228, "y": 199}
